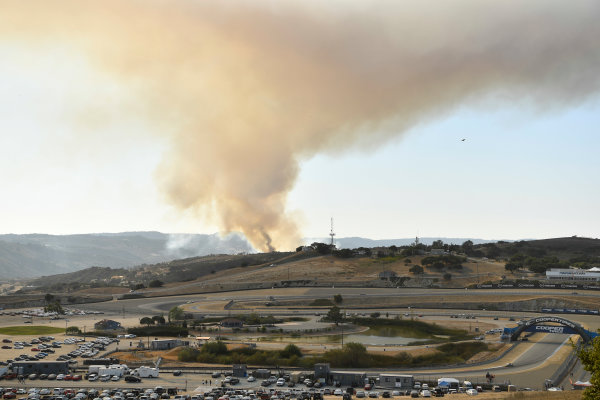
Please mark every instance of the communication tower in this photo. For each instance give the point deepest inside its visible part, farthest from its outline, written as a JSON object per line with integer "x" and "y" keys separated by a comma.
{"x": 331, "y": 233}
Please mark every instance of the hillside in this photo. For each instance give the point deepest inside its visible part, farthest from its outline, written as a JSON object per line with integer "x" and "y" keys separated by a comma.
{"x": 568, "y": 249}
{"x": 27, "y": 256}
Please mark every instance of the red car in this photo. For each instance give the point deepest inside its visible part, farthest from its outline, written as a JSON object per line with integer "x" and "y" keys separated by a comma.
{"x": 68, "y": 377}
{"x": 76, "y": 377}
{"x": 35, "y": 349}
{"x": 9, "y": 395}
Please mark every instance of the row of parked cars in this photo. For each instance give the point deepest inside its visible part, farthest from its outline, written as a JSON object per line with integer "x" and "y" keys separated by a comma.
{"x": 89, "y": 394}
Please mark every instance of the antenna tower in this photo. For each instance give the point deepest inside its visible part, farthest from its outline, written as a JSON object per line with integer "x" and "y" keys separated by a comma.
{"x": 331, "y": 233}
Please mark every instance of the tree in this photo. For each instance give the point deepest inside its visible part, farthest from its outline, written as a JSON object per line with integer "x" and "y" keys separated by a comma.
{"x": 217, "y": 348}
{"x": 155, "y": 283}
{"x": 321, "y": 248}
{"x": 291, "y": 350}
{"x": 354, "y": 354}
{"x": 175, "y": 313}
{"x": 512, "y": 267}
{"x": 72, "y": 330}
{"x": 334, "y": 315}
{"x": 437, "y": 244}
{"x": 376, "y": 314}
{"x": 48, "y": 298}
{"x": 467, "y": 247}
{"x": 590, "y": 358}
{"x": 416, "y": 269}
{"x": 54, "y": 307}
{"x": 338, "y": 298}
{"x": 447, "y": 276}
{"x": 146, "y": 321}
{"x": 158, "y": 319}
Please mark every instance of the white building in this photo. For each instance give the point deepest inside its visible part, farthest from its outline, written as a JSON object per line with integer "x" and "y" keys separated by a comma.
{"x": 573, "y": 274}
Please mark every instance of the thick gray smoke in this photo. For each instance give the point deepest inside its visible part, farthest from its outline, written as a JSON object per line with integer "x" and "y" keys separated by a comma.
{"x": 254, "y": 87}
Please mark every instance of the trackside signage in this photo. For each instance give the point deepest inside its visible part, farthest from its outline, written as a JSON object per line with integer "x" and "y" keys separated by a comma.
{"x": 551, "y": 329}
{"x": 570, "y": 311}
{"x": 534, "y": 285}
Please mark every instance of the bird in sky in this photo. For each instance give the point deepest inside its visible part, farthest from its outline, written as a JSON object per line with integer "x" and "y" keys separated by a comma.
{"x": 462, "y": 140}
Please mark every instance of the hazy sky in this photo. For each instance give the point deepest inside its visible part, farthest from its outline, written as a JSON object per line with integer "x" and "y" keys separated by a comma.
{"x": 270, "y": 118}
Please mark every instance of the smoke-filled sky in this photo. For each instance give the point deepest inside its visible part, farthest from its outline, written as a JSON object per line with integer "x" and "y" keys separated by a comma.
{"x": 270, "y": 117}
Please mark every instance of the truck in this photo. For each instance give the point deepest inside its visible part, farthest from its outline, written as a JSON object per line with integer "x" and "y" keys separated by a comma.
{"x": 95, "y": 369}
{"x": 115, "y": 369}
{"x": 147, "y": 372}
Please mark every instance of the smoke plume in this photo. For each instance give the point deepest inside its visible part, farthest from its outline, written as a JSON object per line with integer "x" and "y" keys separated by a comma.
{"x": 248, "y": 89}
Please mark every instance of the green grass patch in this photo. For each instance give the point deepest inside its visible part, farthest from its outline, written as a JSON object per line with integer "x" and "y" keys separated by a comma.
{"x": 352, "y": 355}
{"x": 30, "y": 330}
{"x": 410, "y": 328}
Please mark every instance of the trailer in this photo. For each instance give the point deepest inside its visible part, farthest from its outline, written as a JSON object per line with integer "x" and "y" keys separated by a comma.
{"x": 147, "y": 372}
{"x": 112, "y": 370}
{"x": 95, "y": 369}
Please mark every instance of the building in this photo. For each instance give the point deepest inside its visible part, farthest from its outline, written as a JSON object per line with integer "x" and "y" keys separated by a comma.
{"x": 438, "y": 252}
{"x": 40, "y": 367}
{"x": 240, "y": 370}
{"x": 387, "y": 275}
{"x": 107, "y": 325}
{"x": 573, "y": 274}
{"x": 343, "y": 378}
{"x": 322, "y": 370}
{"x": 347, "y": 378}
{"x": 166, "y": 344}
{"x": 261, "y": 373}
{"x": 232, "y": 323}
{"x": 396, "y": 381}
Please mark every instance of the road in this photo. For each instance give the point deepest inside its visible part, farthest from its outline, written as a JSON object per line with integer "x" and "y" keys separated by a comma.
{"x": 530, "y": 366}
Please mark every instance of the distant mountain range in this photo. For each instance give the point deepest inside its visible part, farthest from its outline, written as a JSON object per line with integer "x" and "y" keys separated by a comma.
{"x": 34, "y": 255}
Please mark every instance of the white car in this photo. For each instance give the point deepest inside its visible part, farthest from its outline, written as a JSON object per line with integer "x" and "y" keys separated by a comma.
{"x": 472, "y": 392}
{"x": 251, "y": 379}
{"x": 425, "y": 393}
{"x": 115, "y": 378}
{"x": 280, "y": 382}
{"x": 104, "y": 377}
{"x": 360, "y": 394}
{"x": 60, "y": 377}
{"x": 338, "y": 392}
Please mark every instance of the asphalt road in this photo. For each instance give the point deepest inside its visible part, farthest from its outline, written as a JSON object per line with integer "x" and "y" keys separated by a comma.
{"x": 529, "y": 369}
{"x": 162, "y": 304}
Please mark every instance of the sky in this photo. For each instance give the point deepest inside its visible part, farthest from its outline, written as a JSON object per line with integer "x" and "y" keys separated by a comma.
{"x": 271, "y": 119}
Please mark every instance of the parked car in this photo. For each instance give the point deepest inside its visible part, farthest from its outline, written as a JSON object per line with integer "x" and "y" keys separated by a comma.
{"x": 133, "y": 379}
{"x": 472, "y": 392}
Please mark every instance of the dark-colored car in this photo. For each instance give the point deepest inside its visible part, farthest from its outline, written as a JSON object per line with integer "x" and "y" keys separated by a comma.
{"x": 414, "y": 393}
{"x": 386, "y": 395}
{"x": 132, "y": 379}
{"x": 177, "y": 372}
